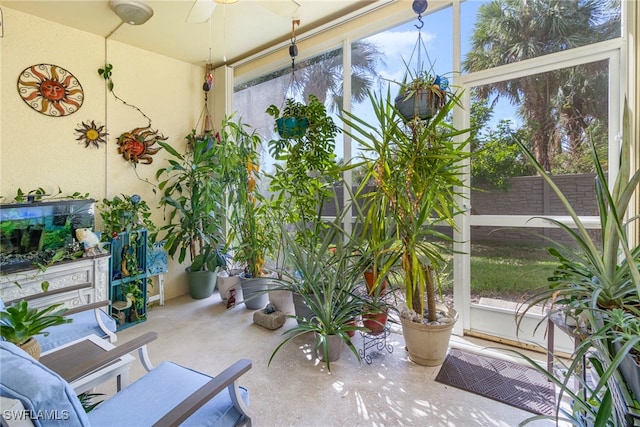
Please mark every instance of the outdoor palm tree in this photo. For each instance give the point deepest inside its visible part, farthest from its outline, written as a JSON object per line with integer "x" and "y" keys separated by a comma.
{"x": 508, "y": 31}
{"x": 322, "y": 75}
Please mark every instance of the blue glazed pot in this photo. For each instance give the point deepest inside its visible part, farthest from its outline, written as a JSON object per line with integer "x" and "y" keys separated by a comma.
{"x": 292, "y": 127}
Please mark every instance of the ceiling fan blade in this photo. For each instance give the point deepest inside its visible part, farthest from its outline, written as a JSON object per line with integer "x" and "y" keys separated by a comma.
{"x": 200, "y": 11}
{"x": 286, "y": 9}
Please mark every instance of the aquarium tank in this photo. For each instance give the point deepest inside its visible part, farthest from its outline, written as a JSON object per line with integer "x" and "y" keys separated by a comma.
{"x": 32, "y": 233}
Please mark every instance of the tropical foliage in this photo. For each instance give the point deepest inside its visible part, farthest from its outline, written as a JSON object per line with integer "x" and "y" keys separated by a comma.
{"x": 19, "y": 322}
{"x": 306, "y": 169}
{"x": 559, "y": 108}
{"x": 192, "y": 188}
{"x": 323, "y": 274}
{"x": 252, "y": 233}
{"x": 426, "y": 195}
{"x": 598, "y": 281}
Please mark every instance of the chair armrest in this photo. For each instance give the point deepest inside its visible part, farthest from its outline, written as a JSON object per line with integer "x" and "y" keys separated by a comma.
{"x": 95, "y": 306}
{"x": 88, "y": 365}
{"x": 87, "y": 307}
{"x": 226, "y": 379}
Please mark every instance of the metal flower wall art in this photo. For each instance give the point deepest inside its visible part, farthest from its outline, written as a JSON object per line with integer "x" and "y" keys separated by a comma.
{"x": 50, "y": 90}
{"x": 91, "y": 134}
{"x": 136, "y": 146}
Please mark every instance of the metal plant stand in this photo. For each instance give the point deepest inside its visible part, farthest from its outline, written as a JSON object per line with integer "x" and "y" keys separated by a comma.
{"x": 377, "y": 341}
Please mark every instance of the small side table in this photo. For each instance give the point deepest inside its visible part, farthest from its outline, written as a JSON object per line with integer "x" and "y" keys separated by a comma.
{"x": 377, "y": 341}
{"x": 557, "y": 319}
{"x": 65, "y": 361}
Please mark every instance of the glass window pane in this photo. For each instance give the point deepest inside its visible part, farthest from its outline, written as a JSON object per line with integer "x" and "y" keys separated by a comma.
{"x": 508, "y": 268}
{"x": 391, "y": 53}
{"x": 557, "y": 114}
{"x": 320, "y": 76}
{"x": 500, "y": 32}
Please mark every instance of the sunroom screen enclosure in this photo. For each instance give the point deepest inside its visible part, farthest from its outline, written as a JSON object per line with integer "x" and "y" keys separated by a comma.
{"x": 556, "y": 90}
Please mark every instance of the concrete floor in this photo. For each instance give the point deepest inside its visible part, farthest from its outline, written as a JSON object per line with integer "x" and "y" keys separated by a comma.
{"x": 296, "y": 389}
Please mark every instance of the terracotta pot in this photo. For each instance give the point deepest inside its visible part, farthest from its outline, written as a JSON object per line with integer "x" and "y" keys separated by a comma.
{"x": 351, "y": 333}
{"x": 370, "y": 277}
{"x": 375, "y": 322}
{"x": 32, "y": 347}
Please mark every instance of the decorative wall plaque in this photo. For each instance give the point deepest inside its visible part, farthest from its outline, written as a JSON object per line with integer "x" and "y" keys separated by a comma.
{"x": 50, "y": 90}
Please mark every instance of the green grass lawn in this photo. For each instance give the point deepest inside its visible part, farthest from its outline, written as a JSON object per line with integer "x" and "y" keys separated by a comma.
{"x": 506, "y": 271}
{"x": 509, "y": 270}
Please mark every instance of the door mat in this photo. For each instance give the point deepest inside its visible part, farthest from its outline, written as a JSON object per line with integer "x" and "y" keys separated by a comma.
{"x": 506, "y": 382}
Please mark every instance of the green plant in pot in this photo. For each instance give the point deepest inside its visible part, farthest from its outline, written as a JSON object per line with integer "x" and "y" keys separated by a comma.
{"x": 192, "y": 187}
{"x": 325, "y": 277}
{"x": 251, "y": 228}
{"x": 376, "y": 236}
{"x": 125, "y": 213}
{"x": 305, "y": 175}
{"x": 20, "y": 323}
{"x": 422, "y": 94}
{"x": 293, "y": 120}
{"x": 420, "y": 202}
{"x": 598, "y": 278}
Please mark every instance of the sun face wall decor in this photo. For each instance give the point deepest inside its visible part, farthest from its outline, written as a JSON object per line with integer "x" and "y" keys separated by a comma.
{"x": 91, "y": 134}
{"x": 50, "y": 90}
{"x": 136, "y": 145}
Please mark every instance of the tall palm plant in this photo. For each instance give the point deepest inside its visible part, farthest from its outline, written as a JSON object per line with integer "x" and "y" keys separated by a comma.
{"x": 322, "y": 75}
{"x": 416, "y": 172}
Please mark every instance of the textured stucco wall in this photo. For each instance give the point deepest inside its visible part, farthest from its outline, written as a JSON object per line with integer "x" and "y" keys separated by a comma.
{"x": 41, "y": 151}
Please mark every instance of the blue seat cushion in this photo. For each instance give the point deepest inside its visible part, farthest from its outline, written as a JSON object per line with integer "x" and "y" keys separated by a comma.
{"x": 48, "y": 399}
{"x": 83, "y": 324}
{"x": 152, "y": 396}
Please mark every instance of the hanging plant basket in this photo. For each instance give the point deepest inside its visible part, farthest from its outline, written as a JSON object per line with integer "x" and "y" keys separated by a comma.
{"x": 292, "y": 127}
{"x": 423, "y": 104}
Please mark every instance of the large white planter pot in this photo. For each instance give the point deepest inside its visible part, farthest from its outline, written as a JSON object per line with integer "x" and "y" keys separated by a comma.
{"x": 427, "y": 344}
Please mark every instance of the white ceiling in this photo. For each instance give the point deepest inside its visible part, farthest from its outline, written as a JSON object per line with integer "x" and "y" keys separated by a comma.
{"x": 234, "y": 31}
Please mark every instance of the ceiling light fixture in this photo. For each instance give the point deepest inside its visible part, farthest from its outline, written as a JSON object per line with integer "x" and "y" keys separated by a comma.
{"x": 226, "y": 1}
{"x": 131, "y": 11}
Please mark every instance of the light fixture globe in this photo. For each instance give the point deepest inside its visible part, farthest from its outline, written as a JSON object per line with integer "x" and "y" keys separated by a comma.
{"x": 131, "y": 11}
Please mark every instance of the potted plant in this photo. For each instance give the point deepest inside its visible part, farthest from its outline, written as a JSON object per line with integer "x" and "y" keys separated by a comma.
{"x": 375, "y": 233}
{"x": 20, "y": 323}
{"x": 192, "y": 186}
{"x": 251, "y": 232}
{"x": 306, "y": 174}
{"x": 599, "y": 279}
{"x": 327, "y": 274}
{"x": 422, "y": 95}
{"x": 292, "y": 121}
{"x": 125, "y": 213}
{"x": 418, "y": 201}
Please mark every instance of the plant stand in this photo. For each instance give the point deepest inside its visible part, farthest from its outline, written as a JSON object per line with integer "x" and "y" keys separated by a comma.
{"x": 377, "y": 341}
